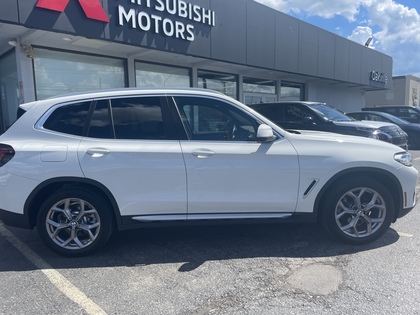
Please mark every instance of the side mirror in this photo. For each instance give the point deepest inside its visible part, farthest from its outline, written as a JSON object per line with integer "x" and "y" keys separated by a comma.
{"x": 265, "y": 133}
{"x": 308, "y": 120}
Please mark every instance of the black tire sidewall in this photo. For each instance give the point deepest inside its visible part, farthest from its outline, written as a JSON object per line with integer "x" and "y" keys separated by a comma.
{"x": 333, "y": 197}
{"x": 100, "y": 206}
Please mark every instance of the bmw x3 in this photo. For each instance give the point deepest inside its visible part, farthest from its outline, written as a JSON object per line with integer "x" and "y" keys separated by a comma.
{"x": 79, "y": 167}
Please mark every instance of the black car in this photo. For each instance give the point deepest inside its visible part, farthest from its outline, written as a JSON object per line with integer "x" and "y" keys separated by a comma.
{"x": 305, "y": 115}
{"x": 406, "y": 112}
{"x": 411, "y": 129}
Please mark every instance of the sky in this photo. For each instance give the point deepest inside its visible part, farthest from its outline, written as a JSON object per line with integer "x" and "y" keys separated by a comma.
{"x": 394, "y": 25}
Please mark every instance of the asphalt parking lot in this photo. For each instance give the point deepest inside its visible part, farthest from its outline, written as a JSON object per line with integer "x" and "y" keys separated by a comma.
{"x": 254, "y": 269}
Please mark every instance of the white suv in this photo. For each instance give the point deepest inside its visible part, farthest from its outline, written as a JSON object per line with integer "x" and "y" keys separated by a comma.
{"x": 80, "y": 166}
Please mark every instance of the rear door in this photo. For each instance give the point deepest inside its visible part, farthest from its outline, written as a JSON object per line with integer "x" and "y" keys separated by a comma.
{"x": 131, "y": 149}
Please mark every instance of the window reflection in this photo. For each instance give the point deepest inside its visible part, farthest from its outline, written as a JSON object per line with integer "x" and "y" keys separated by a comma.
{"x": 138, "y": 118}
{"x": 69, "y": 119}
{"x": 58, "y": 72}
{"x": 153, "y": 75}
{"x": 221, "y": 82}
{"x": 291, "y": 91}
{"x": 259, "y": 90}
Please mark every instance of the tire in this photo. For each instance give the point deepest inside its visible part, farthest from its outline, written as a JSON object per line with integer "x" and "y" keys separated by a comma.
{"x": 358, "y": 211}
{"x": 74, "y": 222}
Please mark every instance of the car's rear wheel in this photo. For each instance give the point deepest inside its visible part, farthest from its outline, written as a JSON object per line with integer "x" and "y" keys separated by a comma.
{"x": 358, "y": 211}
{"x": 74, "y": 222}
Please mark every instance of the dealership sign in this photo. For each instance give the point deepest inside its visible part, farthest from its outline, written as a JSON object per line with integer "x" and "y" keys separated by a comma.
{"x": 171, "y": 18}
{"x": 92, "y": 8}
{"x": 179, "y": 21}
{"x": 378, "y": 77}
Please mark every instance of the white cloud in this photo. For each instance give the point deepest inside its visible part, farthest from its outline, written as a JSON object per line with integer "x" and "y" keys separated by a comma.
{"x": 361, "y": 34}
{"x": 281, "y": 5}
{"x": 323, "y": 8}
{"x": 398, "y": 34}
{"x": 396, "y": 27}
{"x": 398, "y": 24}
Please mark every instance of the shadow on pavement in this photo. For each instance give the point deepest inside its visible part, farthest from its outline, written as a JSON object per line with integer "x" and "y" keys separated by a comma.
{"x": 194, "y": 246}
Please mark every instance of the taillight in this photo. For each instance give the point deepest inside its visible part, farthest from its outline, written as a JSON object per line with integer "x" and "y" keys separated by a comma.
{"x": 6, "y": 153}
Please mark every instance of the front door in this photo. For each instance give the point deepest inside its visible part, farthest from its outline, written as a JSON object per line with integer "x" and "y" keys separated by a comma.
{"x": 228, "y": 171}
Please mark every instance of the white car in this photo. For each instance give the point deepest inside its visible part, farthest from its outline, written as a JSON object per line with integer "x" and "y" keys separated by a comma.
{"x": 80, "y": 166}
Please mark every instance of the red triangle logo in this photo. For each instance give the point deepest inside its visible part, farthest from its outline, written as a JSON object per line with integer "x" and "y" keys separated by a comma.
{"x": 92, "y": 8}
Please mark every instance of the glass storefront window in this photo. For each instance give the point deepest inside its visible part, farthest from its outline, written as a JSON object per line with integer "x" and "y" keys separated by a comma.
{"x": 58, "y": 72}
{"x": 253, "y": 85}
{"x": 290, "y": 91}
{"x": 154, "y": 75}
{"x": 254, "y": 98}
{"x": 222, "y": 82}
{"x": 259, "y": 90}
{"x": 9, "y": 97}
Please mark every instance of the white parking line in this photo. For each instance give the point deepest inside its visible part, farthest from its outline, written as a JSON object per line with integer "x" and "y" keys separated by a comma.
{"x": 405, "y": 234}
{"x": 56, "y": 278}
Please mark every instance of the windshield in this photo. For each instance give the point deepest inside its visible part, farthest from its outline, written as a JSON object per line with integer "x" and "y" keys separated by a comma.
{"x": 329, "y": 113}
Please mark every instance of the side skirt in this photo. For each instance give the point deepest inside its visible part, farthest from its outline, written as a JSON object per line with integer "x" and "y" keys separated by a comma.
{"x": 133, "y": 222}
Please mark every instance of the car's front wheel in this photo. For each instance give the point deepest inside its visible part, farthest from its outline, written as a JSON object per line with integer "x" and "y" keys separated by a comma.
{"x": 358, "y": 211}
{"x": 74, "y": 222}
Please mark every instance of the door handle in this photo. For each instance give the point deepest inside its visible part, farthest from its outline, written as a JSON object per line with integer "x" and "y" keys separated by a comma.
{"x": 202, "y": 153}
{"x": 97, "y": 152}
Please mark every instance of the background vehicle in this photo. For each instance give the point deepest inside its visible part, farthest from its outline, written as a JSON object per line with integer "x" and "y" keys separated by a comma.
{"x": 301, "y": 115}
{"x": 411, "y": 129}
{"x": 406, "y": 112}
{"x": 81, "y": 166}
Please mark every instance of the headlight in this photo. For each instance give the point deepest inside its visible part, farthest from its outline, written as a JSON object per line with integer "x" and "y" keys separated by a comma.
{"x": 384, "y": 137}
{"x": 404, "y": 158}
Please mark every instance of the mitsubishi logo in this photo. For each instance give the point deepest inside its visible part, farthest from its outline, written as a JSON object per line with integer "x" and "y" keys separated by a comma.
{"x": 92, "y": 8}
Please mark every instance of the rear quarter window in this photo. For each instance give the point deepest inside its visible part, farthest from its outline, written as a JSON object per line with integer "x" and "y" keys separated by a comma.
{"x": 69, "y": 119}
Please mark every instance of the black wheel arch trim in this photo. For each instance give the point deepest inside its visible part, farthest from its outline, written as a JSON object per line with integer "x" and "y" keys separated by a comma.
{"x": 370, "y": 172}
{"x": 60, "y": 183}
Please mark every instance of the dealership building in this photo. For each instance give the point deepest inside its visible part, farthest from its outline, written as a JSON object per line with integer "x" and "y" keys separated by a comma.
{"x": 238, "y": 47}
{"x": 405, "y": 91}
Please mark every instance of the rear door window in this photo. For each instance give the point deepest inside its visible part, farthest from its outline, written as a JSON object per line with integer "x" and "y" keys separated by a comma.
{"x": 128, "y": 118}
{"x": 138, "y": 118}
